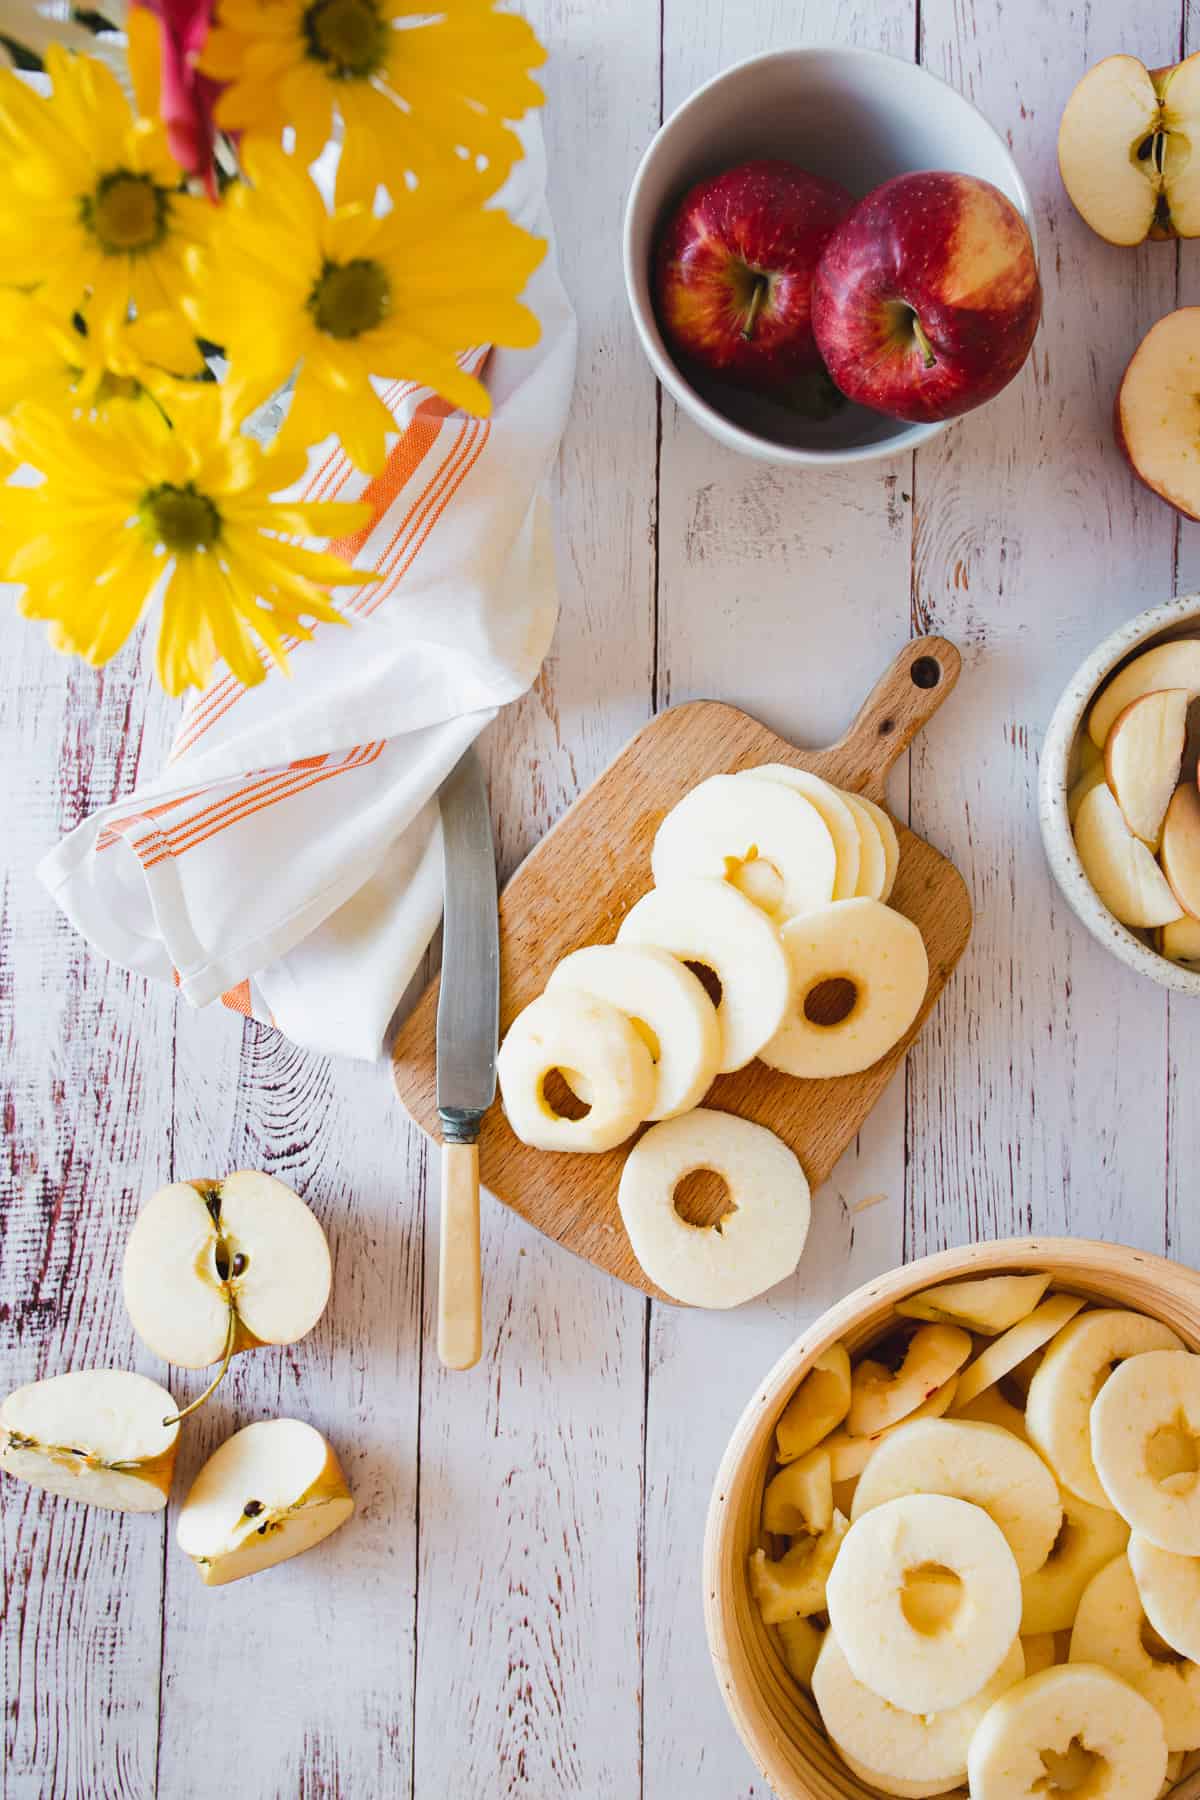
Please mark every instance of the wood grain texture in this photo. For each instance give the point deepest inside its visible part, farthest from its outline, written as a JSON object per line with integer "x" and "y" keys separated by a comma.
{"x": 584, "y": 876}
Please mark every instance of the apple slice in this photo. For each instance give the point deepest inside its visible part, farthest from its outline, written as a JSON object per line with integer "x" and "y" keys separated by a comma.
{"x": 1179, "y": 941}
{"x": 1142, "y": 759}
{"x": 98, "y": 1435}
{"x": 1155, "y": 414}
{"x": 214, "y": 1267}
{"x": 1119, "y": 866}
{"x": 1125, "y": 149}
{"x": 1171, "y": 665}
{"x": 1092, "y": 776}
{"x": 1180, "y": 850}
{"x": 271, "y": 1491}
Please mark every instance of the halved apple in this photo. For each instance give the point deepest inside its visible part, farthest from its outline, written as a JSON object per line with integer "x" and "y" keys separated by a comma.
{"x": 1142, "y": 758}
{"x": 98, "y": 1435}
{"x": 271, "y": 1491}
{"x": 1124, "y": 149}
{"x": 1155, "y": 412}
{"x": 1180, "y": 849}
{"x": 1179, "y": 941}
{"x": 1119, "y": 866}
{"x": 1172, "y": 665}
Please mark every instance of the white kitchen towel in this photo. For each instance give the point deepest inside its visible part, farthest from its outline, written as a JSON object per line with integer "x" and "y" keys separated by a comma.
{"x": 288, "y": 857}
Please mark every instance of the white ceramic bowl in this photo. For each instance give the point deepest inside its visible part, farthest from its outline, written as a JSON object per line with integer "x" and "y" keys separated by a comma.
{"x": 1177, "y": 618}
{"x": 855, "y": 116}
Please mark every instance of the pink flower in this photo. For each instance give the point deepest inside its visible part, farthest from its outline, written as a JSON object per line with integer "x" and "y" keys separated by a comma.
{"x": 185, "y": 98}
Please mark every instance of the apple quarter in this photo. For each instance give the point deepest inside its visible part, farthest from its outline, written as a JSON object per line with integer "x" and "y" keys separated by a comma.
{"x": 97, "y": 1435}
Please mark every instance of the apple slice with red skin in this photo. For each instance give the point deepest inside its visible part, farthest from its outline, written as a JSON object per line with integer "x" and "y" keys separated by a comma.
{"x": 927, "y": 298}
{"x": 734, "y": 268}
{"x": 1155, "y": 413}
{"x": 1180, "y": 851}
{"x": 1175, "y": 664}
{"x": 1142, "y": 758}
{"x": 1123, "y": 872}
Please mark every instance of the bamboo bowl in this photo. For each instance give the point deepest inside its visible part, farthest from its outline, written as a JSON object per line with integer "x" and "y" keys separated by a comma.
{"x": 775, "y": 1718}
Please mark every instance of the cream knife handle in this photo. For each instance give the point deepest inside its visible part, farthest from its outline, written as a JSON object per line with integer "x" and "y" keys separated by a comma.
{"x": 460, "y": 1301}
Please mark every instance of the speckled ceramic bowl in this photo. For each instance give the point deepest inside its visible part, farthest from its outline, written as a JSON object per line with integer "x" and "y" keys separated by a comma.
{"x": 1177, "y": 618}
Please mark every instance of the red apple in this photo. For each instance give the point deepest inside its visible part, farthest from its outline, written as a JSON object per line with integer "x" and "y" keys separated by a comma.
{"x": 927, "y": 298}
{"x": 734, "y": 270}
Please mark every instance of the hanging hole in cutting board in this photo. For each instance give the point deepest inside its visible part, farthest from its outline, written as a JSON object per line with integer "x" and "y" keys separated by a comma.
{"x": 830, "y": 1001}
{"x": 926, "y": 672}
{"x": 561, "y": 1097}
{"x": 702, "y": 1198}
{"x": 709, "y": 980}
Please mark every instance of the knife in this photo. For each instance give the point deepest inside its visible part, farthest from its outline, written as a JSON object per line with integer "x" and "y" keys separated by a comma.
{"x": 468, "y": 1024}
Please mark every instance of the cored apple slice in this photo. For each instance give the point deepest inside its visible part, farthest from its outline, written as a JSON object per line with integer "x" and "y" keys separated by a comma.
{"x": 1156, "y": 409}
{"x": 98, "y": 1435}
{"x": 1125, "y": 149}
{"x": 1172, "y": 665}
{"x": 1142, "y": 759}
{"x": 1119, "y": 866}
{"x": 1180, "y": 851}
{"x": 271, "y": 1491}
{"x": 1179, "y": 941}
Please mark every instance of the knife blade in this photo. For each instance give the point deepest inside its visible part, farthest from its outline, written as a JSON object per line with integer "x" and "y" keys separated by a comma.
{"x": 468, "y": 1022}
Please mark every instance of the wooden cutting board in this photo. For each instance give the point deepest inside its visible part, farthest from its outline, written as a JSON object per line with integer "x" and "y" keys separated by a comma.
{"x": 580, "y": 881}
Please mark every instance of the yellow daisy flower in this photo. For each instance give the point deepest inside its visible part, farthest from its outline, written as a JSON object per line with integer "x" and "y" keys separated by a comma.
{"x": 128, "y": 511}
{"x": 93, "y": 208}
{"x": 340, "y": 297}
{"x": 50, "y": 360}
{"x": 413, "y": 84}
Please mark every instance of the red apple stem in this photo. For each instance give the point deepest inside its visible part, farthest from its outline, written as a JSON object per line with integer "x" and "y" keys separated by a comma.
{"x": 756, "y": 300}
{"x": 923, "y": 343}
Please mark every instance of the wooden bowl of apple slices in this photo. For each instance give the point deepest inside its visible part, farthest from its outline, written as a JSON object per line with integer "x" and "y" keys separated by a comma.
{"x": 776, "y": 1684}
{"x": 1119, "y": 794}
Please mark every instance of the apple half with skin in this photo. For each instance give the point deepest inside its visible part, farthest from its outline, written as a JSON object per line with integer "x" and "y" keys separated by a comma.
{"x": 1155, "y": 413}
{"x": 1179, "y": 852}
{"x": 1119, "y": 866}
{"x": 1125, "y": 149}
{"x": 216, "y": 1267}
{"x": 734, "y": 268}
{"x": 271, "y": 1491}
{"x": 1142, "y": 758}
{"x": 927, "y": 298}
{"x": 104, "y": 1436}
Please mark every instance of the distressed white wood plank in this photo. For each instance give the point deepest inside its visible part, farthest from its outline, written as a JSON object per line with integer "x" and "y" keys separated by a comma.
{"x": 528, "y": 1667}
{"x": 761, "y": 603}
{"x": 86, "y": 1107}
{"x": 1039, "y": 1098}
{"x": 300, "y": 1680}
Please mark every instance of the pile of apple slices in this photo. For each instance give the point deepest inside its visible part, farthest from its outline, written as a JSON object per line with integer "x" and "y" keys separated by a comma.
{"x": 981, "y": 1546}
{"x": 212, "y": 1268}
{"x": 1135, "y": 813}
{"x": 771, "y": 891}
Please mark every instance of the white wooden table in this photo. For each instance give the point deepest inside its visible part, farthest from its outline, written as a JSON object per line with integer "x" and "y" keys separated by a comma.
{"x": 515, "y": 1610}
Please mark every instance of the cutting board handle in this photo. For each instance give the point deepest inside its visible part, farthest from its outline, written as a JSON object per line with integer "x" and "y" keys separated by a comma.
{"x": 900, "y": 704}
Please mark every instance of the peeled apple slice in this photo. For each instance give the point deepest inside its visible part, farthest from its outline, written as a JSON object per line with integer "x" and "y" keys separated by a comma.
{"x": 896, "y": 1744}
{"x": 272, "y": 1490}
{"x": 1122, "y": 870}
{"x": 1005, "y": 1353}
{"x": 849, "y": 1456}
{"x": 839, "y": 819}
{"x": 1041, "y": 1652}
{"x": 795, "y": 1586}
{"x": 800, "y": 1497}
{"x": 207, "y": 1257}
{"x": 1169, "y": 1589}
{"x": 981, "y": 1463}
{"x": 95, "y": 1435}
{"x": 1037, "y": 1723}
{"x": 991, "y": 1304}
{"x": 598, "y": 1052}
{"x": 1072, "y": 1373}
{"x": 1172, "y": 665}
{"x": 818, "y": 1405}
{"x": 1089, "y": 1539}
{"x": 881, "y": 1396}
{"x": 668, "y": 1007}
{"x": 1110, "y": 1630}
{"x": 710, "y": 923}
{"x": 800, "y": 1643}
{"x": 991, "y": 1408}
{"x": 882, "y": 1554}
{"x": 726, "y": 823}
{"x": 1145, "y": 1445}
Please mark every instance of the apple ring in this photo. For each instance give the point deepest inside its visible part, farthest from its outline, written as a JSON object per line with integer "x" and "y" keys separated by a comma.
{"x": 1145, "y": 1431}
{"x": 758, "y": 1241}
{"x": 1169, "y": 1589}
{"x": 600, "y": 1055}
{"x": 889, "y": 840}
{"x": 668, "y": 1006}
{"x": 897, "y": 1745}
{"x": 1042, "y": 1718}
{"x": 1090, "y": 1537}
{"x": 831, "y": 804}
{"x": 710, "y": 923}
{"x": 726, "y": 823}
{"x": 872, "y": 852}
{"x": 882, "y": 954}
{"x": 1110, "y": 1630}
{"x": 881, "y": 1556}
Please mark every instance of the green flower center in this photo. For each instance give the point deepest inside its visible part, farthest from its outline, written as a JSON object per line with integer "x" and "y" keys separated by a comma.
{"x": 181, "y": 519}
{"x": 348, "y": 36}
{"x": 125, "y": 213}
{"x": 350, "y": 298}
